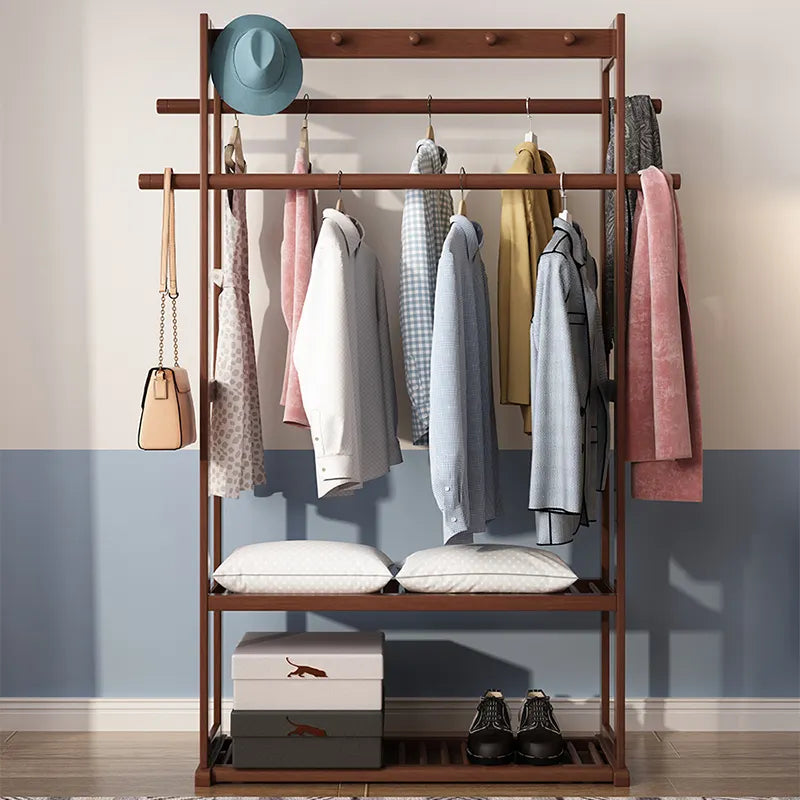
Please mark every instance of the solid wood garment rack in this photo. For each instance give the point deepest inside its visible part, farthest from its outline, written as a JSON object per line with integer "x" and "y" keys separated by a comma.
{"x": 597, "y": 758}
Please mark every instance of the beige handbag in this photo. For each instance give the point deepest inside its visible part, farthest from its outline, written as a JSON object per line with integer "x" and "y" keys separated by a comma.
{"x": 167, "y": 421}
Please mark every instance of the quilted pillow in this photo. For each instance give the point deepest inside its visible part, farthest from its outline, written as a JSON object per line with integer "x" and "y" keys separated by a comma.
{"x": 304, "y": 567}
{"x": 490, "y": 568}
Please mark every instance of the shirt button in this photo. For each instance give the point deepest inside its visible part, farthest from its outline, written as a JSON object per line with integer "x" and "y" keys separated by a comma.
{"x": 453, "y": 519}
{"x": 323, "y": 469}
{"x": 316, "y": 438}
{"x": 447, "y": 488}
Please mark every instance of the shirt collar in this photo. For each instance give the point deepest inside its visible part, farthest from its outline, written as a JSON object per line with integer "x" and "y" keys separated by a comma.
{"x": 349, "y": 226}
{"x": 436, "y": 153}
{"x": 472, "y": 231}
{"x": 576, "y": 236}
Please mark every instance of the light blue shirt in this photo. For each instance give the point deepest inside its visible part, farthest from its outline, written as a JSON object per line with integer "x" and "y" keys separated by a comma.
{"x": 463, "y": 430}
{"x": 426, "y": 220}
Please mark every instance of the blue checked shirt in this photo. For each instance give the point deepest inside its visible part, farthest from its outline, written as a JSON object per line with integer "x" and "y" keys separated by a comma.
{"x": 463, "y": 431}
{"x": 426, "y": 220}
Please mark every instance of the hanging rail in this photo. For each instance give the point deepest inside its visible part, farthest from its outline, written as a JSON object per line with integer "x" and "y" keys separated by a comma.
{"x": 398, "y": 180}
{"x": 404, "y": 105}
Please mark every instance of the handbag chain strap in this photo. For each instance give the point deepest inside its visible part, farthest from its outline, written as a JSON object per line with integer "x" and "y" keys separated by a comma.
{"x": 168, "y": 279}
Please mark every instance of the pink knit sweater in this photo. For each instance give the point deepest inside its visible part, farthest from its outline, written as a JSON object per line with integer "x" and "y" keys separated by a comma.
{"x": 296, "y": 251}
{"x": 664, "y": 433}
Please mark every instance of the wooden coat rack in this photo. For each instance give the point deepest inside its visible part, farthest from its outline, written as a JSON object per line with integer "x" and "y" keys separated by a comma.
{"x": 593, "y": 759}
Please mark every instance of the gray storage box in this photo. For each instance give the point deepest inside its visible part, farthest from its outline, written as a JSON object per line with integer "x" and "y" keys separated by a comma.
{"x": 307, "y": 739}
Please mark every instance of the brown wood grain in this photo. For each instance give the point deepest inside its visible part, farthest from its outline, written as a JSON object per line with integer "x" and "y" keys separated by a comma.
{"x": 406, "y": 105}
{"x": 453, "y": 43}
{"x": 204, "y": 415}
{"x": 396, "y": 180}
{"x": 584, "y": 600}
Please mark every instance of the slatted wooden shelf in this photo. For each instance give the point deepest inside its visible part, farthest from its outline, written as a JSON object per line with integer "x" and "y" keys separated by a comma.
{"x": 583, "y": 595}
{"x": 433, "y": 760}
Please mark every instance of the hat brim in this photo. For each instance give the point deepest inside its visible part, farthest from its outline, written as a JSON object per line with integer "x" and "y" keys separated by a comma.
{"x": 243, "y": 98}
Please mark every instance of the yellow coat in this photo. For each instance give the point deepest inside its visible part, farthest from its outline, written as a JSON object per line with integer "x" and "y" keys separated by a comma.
{"x": 526, "y": 226}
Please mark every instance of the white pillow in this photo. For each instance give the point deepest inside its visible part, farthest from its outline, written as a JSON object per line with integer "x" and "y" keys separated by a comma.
{"x": 305, "y": 567}
{"x": 485, "y": 568}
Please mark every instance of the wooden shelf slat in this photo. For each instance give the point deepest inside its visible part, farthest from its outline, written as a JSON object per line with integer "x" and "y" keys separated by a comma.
{"x": 580, "y": 598}
{"x": 407, "y": 760}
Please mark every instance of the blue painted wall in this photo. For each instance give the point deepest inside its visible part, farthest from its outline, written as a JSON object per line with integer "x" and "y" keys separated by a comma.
{"x": 98, "y": 579}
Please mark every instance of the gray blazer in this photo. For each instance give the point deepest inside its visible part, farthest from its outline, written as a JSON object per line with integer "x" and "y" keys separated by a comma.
{"x": 569, "y": 382}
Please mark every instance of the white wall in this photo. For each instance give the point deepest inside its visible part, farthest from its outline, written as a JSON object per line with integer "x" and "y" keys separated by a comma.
{"x": 80, "y": 241}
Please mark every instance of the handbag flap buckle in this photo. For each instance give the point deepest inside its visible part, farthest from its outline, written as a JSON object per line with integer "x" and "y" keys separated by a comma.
{"x": 160, "y": 385}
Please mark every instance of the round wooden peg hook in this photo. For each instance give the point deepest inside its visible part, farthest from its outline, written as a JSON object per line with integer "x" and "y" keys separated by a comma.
{"x": 337, "y": 38}
{"x": 414, "y": 38}
{"x": 570, "y": 38}
{"x": 491, "y": 38}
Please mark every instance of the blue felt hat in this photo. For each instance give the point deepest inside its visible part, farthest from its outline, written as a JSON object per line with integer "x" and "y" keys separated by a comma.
{"x": 256, "y": 66}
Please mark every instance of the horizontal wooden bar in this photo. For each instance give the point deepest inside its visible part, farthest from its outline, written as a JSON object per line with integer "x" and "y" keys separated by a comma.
{"x": 422, "y": 773}
{"x": 453, "y": 42}
{"x": 407, "y": 759}
{"x": 412, "y": 602}
{"x": 398, "y": 180}
{"x": 404, "y": 105}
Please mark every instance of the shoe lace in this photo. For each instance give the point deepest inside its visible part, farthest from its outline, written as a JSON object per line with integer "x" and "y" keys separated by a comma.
{"x": 491, "y": 713}
{"x": 538, "y": 712}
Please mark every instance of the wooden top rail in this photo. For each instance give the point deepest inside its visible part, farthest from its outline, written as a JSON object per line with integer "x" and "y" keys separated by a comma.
{"x": 452, "y": 42}
{"x": 399, "y": 180}
{"x": 403, "y": 105}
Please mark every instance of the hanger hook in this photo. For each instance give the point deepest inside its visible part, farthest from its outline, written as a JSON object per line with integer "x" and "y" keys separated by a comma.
{"x": 339, "y": 182}
{"x": 429, "y": 108}
{"x": 563, "y": 191}
{"x": 528, "y": 112}
{"x": 461, "y": 173}
{"x": 235, "y": 119}
{"x": 308, "y": 107}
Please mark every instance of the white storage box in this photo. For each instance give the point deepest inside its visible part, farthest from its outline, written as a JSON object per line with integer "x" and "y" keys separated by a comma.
{"x": 308, "y": 671}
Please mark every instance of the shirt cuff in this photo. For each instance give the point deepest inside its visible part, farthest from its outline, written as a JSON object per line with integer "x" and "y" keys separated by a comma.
{"x": 335, "y": 467}
{"x": 455, "y": 520}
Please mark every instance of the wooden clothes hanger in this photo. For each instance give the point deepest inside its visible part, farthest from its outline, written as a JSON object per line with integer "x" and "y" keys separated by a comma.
{"x": 530, "y": 136}
{"x": 462, "y": 205}
{"x": 565, "y": 215}
{"x": 303, "y": 142}
{"x": 234, "y": 154}
{"x": 339, "y": 203}
{"x": 429, "y": 131}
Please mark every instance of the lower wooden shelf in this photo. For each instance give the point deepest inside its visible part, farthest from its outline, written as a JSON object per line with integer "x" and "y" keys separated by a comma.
{"x": 430, "y": 760}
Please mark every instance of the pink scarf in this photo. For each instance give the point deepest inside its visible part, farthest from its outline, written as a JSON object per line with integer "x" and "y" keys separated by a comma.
{"x": 296, "y": 251}
{"x": 663, "y": 421}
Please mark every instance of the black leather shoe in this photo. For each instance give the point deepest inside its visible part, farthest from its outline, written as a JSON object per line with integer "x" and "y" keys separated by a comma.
{"x": 539, "y": 740}
{"x": 490, "y": 740}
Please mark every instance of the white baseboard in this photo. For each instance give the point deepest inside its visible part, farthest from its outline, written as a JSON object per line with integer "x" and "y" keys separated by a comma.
{"x": 422, "y": 715}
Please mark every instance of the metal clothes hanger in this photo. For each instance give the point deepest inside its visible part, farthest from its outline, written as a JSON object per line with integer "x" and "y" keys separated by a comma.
{"x": 234, "y": 154}
{"x": 339, "y": 203}
{"x": 429, "y": 131}
{"x": 565, "y": 215}
{"x": 462, "y": 205}
{"x": 530, "y": 136}
{"x": 303, "y": 143}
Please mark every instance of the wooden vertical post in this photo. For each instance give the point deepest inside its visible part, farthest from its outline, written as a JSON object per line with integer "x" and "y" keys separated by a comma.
{"x": 204, "y": 396}
{"x": 217, "y": 501}
{"x": 621, "y": 777}
{"x": 605, "y": 539}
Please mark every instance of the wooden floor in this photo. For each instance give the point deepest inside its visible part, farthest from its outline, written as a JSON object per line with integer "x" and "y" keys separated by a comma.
{"x": 662, "y": 764}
